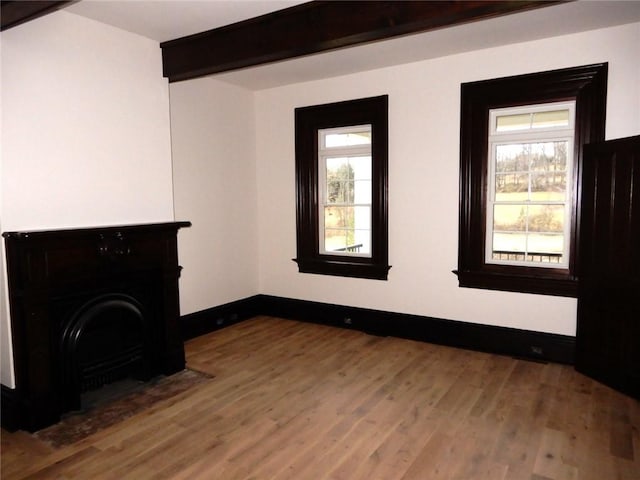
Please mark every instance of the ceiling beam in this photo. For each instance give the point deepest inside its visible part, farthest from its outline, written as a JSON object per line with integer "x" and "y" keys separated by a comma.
{"x": 15, "y": 12}
{"x": 320, "y": 26}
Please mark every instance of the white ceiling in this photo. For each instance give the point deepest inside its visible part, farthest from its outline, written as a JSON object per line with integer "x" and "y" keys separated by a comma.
{"x": 163, "y": 20}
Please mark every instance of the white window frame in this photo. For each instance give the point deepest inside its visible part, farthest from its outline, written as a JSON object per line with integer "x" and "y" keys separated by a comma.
{"x": 324, "y": 153}
{"x": 530, "y": 135}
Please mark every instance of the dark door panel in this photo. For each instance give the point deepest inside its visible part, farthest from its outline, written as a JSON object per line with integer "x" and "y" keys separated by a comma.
{"x": 608, "y": 334}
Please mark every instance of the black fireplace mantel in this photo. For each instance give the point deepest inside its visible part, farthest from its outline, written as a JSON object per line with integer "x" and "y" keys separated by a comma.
{"x": 54, "y": 273}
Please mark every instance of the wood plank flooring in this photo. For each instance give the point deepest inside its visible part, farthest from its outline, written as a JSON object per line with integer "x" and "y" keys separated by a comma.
{"x": 293, "y": 400}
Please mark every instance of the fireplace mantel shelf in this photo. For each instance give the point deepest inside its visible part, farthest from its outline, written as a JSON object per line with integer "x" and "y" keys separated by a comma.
{"x": 62, "y": 232}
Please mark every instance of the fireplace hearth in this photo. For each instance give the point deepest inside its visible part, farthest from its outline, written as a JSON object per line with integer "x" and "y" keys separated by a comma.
{"x": 88, "y": 307}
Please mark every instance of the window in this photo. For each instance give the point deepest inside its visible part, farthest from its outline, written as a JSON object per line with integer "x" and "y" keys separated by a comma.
{"x": 520, "y": 160}
{"x": 345, "y": 190}
{"x": 530, "y": 159}
{"x": 341, "y": 181}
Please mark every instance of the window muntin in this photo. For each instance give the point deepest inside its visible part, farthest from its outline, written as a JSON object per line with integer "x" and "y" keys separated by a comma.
{"x": 530, "y": 166}
{"x": 344, "y": 162}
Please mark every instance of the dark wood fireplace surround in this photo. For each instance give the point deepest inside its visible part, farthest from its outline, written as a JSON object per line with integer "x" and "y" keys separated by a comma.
{"x": 88, "y": 306}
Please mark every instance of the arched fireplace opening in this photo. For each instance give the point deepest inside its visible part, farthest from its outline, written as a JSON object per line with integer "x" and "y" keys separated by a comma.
{"x": 105, "y": 340}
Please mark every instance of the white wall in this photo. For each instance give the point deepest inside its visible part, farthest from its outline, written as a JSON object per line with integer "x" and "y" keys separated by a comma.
{"x": 424, "y": 125}
{"x": 213, "y": 142}
{"x": 85, "y": 130}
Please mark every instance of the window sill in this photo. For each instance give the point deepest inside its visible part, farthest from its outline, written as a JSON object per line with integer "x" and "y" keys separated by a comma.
{"x": 343, "y": 268}
{"x": 557, "y": 284}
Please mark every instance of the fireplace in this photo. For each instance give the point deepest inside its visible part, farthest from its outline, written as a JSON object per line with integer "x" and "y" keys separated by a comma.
{"x": 88, "y": 307}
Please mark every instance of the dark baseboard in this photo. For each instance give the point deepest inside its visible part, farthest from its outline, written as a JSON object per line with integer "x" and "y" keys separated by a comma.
{"x": 211, "y": 319}
{"x": 525, "y": 344}
{"x": 11, "y": 414}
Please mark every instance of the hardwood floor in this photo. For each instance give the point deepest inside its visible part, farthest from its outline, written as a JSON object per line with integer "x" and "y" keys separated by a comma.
{"x": 292, "y": 400}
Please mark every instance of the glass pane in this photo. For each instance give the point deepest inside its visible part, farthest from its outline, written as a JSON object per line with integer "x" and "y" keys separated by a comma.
{"x": 506, "y": 243}
{"x": 508, "y": 123}
{"x": 513, "y": 158}
{"x": 549, "y": 186}
{"x": 339, "y": 192}
{"x": 554, "y": 118}
{"x": 512, "y": 187}
{"x": 546, "y": 218}
{"x": 339, "y": 217}
{"x": 362, "y": 218}
{"x": 361, "y": 167}
{"x": 548, "y": 156}
{"x": 339, "y": 176}
{"x": 347, "y": 139}
{"x": 361, "y": 242}
{"x": 362, "y": 191}
{"x": 338, "y": 168}
{"x": 337, "y": 240}
{"x": 347, "y": 241}
{"x": 549, "y": 244}
{"x": 510, "y": 218}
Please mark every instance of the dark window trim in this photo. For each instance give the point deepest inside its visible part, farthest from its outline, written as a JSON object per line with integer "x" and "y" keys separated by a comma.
{"x": 308, "y": 120}
{"x": 587, "y": 85}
